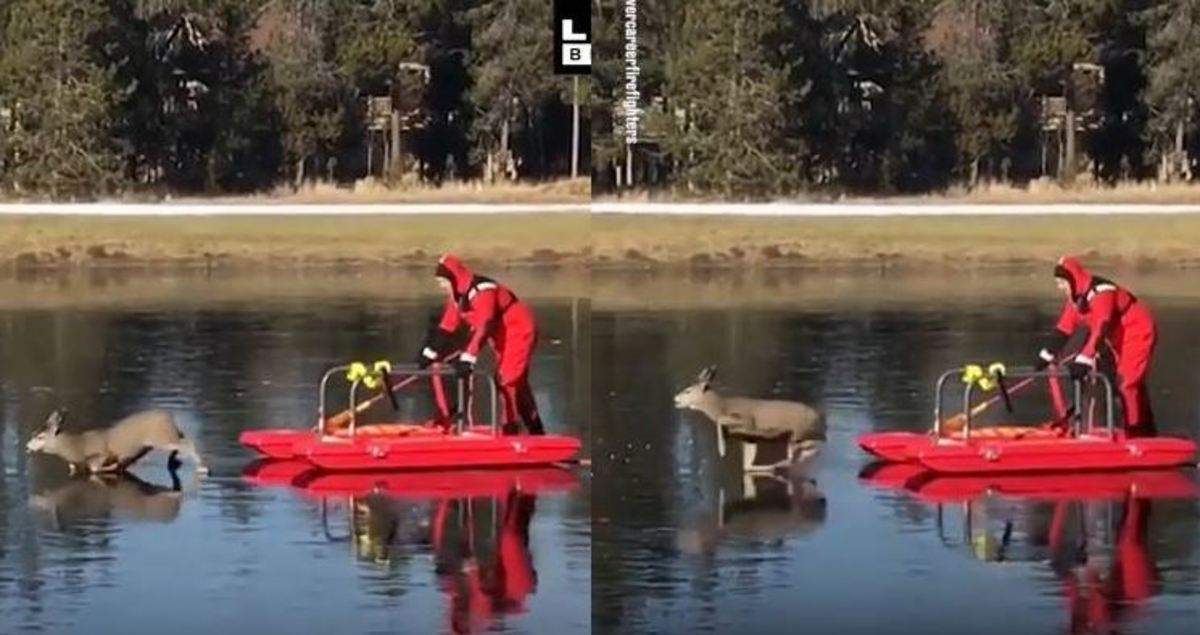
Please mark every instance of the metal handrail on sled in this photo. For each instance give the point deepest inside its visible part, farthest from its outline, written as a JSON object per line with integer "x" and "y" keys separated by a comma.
{"x": 465, "y": 385}
{"x": 1025, "y": 372}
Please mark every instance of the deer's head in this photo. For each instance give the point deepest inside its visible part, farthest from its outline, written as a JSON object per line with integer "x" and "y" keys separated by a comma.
{"x": 699, "y": 395}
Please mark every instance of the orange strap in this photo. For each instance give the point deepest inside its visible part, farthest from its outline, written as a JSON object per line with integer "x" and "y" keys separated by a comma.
{"x": 386, "y": 430}
{"x": 1011, "y": 432}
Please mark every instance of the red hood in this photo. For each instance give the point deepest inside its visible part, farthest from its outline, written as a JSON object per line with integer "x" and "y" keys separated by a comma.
{"x": 1070, "y": 269}
{"x": 453, "y": 269}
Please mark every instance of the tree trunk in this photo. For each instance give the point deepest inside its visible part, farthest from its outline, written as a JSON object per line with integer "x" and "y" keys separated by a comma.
{"x": 628, "y": 165}
{"x": 1180, "y": 155}
{"x": 397, "y": 167}
{"x": 505, "y": 155}
{"x": 1068, "y": 173}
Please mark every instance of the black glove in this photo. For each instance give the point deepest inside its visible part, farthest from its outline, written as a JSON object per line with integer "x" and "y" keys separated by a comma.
{"x": 435, "y": 347}
{"x": 463, "y": 369}
{"x": 1042, "y": 362}
{"x": 1078, "y": 370}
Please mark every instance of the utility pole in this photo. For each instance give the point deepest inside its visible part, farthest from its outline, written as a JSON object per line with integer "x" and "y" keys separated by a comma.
{"x": 574, "y": 126}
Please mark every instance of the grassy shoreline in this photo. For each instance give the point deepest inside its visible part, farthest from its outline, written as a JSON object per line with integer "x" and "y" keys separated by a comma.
{"x": 56, "y": 242}
{"x": 894, "y": 242}
{"x": 602, "y": 242}
{"x": 371, "y": 191}
{"x": 1041, "y": 192}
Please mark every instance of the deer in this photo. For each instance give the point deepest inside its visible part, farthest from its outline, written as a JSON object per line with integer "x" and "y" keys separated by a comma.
{"x": 755, "y": 421}
{"x": 115, "y": 448}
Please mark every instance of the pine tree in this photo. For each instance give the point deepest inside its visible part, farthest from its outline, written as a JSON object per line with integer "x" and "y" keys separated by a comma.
{"x": 1173, "y": 92}
{"x": 515, "y": 92}
{"x": 59, "y": 99}
{"x": 728, "y": 74}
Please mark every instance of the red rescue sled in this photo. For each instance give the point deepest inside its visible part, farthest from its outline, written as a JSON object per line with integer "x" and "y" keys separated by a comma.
{"x": 427, "y": 485}
{"x": 934, "y": 488}
{"x": 400, "y": 446}
{"x": 1018, "y": 449}
{"x": 469, "y": 449}
{"x": 421, "y": 485}
{"x": 1156, "y": 484}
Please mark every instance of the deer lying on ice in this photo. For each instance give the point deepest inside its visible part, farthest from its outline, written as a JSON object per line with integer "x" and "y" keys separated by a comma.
{"x": 755, "y": 420}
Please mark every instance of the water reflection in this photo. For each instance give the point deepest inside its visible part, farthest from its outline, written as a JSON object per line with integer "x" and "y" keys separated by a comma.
{"x": 473, "y": 528}
{"x": 1097, "y": 550}
{"x": 765, "y": 508}
{"x": 63, "y": 502}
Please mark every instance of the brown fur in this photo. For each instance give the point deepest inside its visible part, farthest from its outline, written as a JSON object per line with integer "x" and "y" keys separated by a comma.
{"x": 117, "y": 447}
{"x": 755, "y": 420}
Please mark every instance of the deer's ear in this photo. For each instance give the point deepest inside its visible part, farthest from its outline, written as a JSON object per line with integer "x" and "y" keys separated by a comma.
{"x": 54, "y": 421}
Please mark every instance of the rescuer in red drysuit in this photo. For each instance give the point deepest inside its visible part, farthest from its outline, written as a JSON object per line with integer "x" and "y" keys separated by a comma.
{"x": 493, "y": 313}
{"x": 1117, "y": 318}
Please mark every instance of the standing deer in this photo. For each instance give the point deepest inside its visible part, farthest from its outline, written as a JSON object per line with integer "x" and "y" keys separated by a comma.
{"x": 115, "y": 448}
{"x": 755, "y": 421}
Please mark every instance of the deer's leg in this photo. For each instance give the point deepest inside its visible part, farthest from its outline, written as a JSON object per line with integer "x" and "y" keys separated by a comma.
{"x": 749, "y": 490}
{"x": 728, "y": 421}
{"x": 98, "y": 463}
{"x": 749, "y": 452}
{"x": 784, "y": 462}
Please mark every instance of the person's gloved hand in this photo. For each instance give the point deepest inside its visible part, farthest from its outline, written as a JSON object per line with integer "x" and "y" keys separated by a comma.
{"x": 1043, "y": 360}
{"x": 464, "y": 365}
{"x": 426, "y": 357}
{"x": 1080, "y": 367}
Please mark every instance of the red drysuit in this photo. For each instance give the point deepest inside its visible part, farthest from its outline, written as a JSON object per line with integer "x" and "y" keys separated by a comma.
{"x": 495, "y": 314}
{"x": 1115, "y": 316}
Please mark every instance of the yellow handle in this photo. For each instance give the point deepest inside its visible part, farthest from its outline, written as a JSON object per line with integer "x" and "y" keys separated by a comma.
{"x": 371, "y": 378}
{"x": 972, "y": 374}
{"x": 358, "y": 370}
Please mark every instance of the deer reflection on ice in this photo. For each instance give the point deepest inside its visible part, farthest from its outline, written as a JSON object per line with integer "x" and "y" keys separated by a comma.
{"x": 768, "y": 509}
